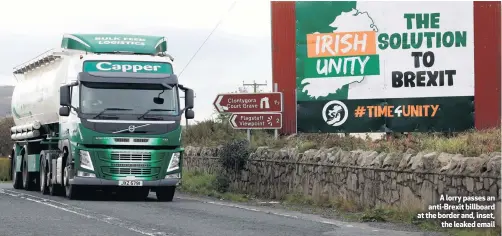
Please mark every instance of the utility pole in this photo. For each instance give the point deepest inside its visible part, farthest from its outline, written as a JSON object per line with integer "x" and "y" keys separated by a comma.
{"x": 255, "y": 90}
{"x": 255, "y": 85}
{"x": 186, "y": 120}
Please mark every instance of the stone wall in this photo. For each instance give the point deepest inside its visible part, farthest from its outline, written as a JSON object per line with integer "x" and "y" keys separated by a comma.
{"x": 411, "y": 179}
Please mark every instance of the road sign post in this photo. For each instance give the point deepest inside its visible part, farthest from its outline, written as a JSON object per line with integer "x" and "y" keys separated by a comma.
{"x": 252, "y": 110}
{"x": 276, "y": 131}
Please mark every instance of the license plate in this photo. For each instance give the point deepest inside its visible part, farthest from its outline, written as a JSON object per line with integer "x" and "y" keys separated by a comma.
{"x": 130, "y": 183}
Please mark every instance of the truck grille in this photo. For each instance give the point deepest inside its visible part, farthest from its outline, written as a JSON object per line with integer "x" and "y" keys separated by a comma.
{"x": 138, "y": 171}
{"x": 131, "y": 156}
{"x": 130, "y": 171}
{"x": 128, "y": 140}
{"x": 141, "y": 140}
{"x": 121, "y": 140}
{"x": 134, "y": 165}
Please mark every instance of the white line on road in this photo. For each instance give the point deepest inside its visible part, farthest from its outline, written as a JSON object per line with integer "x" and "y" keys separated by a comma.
{"x": 153, "y": 232}
{"x": 300, "y": 216}
{"x": 89, "y": 215}
{"x": 342, "y": 226}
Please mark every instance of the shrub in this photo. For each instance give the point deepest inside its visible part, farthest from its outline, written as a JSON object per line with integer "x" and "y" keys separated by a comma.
{"x": 375, "y": 215}
{"x": 5, "y": 140}
{"x": 234, "y": 155}
{"x": 197, "y": 182}
{"x": 4, "y": 169}
{"x": 222, "y": 183}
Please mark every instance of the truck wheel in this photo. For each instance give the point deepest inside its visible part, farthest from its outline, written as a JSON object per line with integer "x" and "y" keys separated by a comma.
{"x": 72, "y": 191}
{"x": 165, "y": 194}
{"x": 27, "y": 177}
{"x": 16, "y": 176}
{"x": 44, "y": 189}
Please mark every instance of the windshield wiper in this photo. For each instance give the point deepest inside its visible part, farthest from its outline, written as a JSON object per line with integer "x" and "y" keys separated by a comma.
{"x": 150, "y": 110}
{"x": 111, "y": 109}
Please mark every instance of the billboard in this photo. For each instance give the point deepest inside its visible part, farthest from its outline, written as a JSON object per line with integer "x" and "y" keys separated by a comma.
{"x": 384, "y": 66}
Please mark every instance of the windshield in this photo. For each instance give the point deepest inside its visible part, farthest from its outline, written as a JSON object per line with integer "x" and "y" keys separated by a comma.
{"x": 132, "y": 98}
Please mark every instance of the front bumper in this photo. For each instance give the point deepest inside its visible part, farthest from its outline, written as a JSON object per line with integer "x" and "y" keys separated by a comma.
{"x": 112, "y": 165}
{"x": 105, "y": 182}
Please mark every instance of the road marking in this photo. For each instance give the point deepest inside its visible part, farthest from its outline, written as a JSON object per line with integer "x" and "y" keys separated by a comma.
{"x": 152, "y": 232}
{"x": 300, "y": 216}
{"x": 362, "y": 227}
{"x": 84, "y": 213}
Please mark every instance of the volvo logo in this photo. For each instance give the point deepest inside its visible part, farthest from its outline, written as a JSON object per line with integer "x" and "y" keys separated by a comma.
{"x": 131, "y": 128}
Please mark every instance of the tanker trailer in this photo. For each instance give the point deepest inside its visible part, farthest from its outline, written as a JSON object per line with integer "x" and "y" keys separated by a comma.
{"x": 102, "y": 112}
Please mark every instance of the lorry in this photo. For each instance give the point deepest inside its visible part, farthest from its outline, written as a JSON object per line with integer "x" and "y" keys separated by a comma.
{"x": 102, "y": 112}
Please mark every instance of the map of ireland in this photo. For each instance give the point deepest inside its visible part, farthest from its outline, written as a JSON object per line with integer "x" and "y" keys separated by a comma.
{"x": 343, "y": 57}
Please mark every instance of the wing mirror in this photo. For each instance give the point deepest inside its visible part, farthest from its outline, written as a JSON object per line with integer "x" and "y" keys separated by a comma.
{"x": 64, "y": 111}
{"x": 189, "y": 114}
{"x": 64, "y": 96}
{"x": 189, "y": 97}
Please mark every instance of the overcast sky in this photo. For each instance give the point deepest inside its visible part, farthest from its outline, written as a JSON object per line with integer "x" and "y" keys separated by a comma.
{"x": 239, "y": 50}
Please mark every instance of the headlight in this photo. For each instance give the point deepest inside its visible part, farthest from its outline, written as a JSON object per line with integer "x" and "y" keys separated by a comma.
{"x": 173, "y": 176}
{"x": 174, "y": 163}
{"x": 85, "y": 160}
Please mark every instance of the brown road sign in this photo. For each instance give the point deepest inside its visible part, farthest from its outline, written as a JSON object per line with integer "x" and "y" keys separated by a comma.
{"x": 248, "y": 102}
{"x": 256, "y": 121}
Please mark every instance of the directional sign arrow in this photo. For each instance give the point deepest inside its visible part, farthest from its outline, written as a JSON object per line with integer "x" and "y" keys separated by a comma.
{"x": 248, "y": 102}
{"x": 256, "y": 121}
{"x": 217, "y": 103}
{"x": 232, "y": 121}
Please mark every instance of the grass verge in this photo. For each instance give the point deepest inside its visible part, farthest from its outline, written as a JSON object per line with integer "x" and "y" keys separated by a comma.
{"x": 397, "y": 215}
{"x": 470, "y": 143}
{"x": 204, "y": 184}
{"x": 199, "y": 183}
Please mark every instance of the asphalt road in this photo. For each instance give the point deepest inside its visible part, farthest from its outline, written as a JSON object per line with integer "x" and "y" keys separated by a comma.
{"x": 31, "y": 213}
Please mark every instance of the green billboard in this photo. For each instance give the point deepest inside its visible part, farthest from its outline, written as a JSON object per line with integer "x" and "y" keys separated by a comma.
{"x": 384, "y": 66}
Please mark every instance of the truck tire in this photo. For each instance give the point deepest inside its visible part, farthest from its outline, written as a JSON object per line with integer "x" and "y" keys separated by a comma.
{"x": 165, "y": 194}
{"x": 17, "y": 181}
{"x": 72, "y": 192}
{"x": 44, "y": 189}
{"x": 28, "y": 177}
